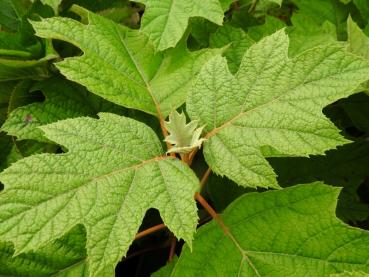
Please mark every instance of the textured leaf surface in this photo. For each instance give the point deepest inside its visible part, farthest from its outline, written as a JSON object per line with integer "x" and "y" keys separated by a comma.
{"x": 60, "y": 258}
{"x": 64, "y": 100}
{"x": 292, "y": 232}
{"x": 165, "y": 21}
{"x": 114, "y": 171}
{"x": 272, "y": 105}
{"x": 122, "y": 66}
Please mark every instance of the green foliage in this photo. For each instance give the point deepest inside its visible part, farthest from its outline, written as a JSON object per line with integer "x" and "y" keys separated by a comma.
{"x": 251, "y": 110}
{"x": 165, "y": 21}
{"x": 63, "y": 100}
{"x": 64, "y": 257}
{"x": 131, "y": 127}
{"x": 111, "y": 162}
{"x": 145, "y": 80}
{"x": 290, "y": 232}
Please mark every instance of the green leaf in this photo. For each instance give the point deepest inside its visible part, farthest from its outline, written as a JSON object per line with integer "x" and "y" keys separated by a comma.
{"x": 184, "y": 137}
{"x": 114, "y": 171}
{"x": 292, "y": 232}
{"x": 52, "y": 3}
{"x": 270, "y": 26}
{"x": 60, "y": 258}
{"x": 351, "y": 274}
{"x": 320, "y": 11}
{"x": 306, "y": 33}
{"x": 166, "y": 270}
{"x": 345, "y": 167}
{"x": 64, "y": 100}
{"x": 11, "y": 13}
{"x": 165, "y": 21}
{"x": 11, "y": 69}
{"x": 237, "y": 40}
{"x": 26, "y": 148}
{"x": 121, "y": 65}
{"x": 356, "y": 108}
{"x": 358, "y": 42}
{"x": 272, "y": 104}
{"x": 363, "y": 8}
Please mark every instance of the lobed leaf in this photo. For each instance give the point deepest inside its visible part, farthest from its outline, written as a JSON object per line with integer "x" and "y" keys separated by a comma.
{"x": 114, "y": 171}
{"x": 272, "y": 106}
{"x": 121, "y": 65}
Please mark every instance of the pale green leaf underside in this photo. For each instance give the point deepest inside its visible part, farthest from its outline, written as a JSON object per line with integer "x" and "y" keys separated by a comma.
{"x": 292, "y": 232}
{"x": 114, "y": 171}
{"x": 272, "y": 103}
{"x": 184, "y": 137}
{"x": 121, "y": 65}
{"x": 165, "y": 21}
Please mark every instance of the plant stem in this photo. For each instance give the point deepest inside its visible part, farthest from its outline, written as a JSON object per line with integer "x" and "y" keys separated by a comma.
{"x": 253, "y": 6}
{"x": 173, "y": 244}
{"x": 212, "y": 212}
{"x": 191, "y": 156}
{"x": 150, "y": 230}
{"x": 205, "y": 178}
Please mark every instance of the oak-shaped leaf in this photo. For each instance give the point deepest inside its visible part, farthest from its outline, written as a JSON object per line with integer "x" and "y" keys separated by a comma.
{"x": 114, "y": 171}
{"x": 290, "y": 232}
{"x": 122, "y": 66}
{"x": 272, "y": 106}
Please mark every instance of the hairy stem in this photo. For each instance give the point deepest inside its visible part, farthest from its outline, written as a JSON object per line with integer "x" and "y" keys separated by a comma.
{"x": 212, "y": 212}
{"x": 172, "y": 249}
{"x": 150, "y": 230}
{"x": 205, "y": 178}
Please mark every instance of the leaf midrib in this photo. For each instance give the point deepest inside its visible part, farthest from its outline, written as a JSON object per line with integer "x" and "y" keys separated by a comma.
{"x": 89, "y": 181}
{"x": 141, "y": 73}
{"x": 272, "y": 101}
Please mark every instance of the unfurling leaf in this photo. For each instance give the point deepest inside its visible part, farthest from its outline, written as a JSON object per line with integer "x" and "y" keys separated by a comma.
{"x": 184, "y": 137}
